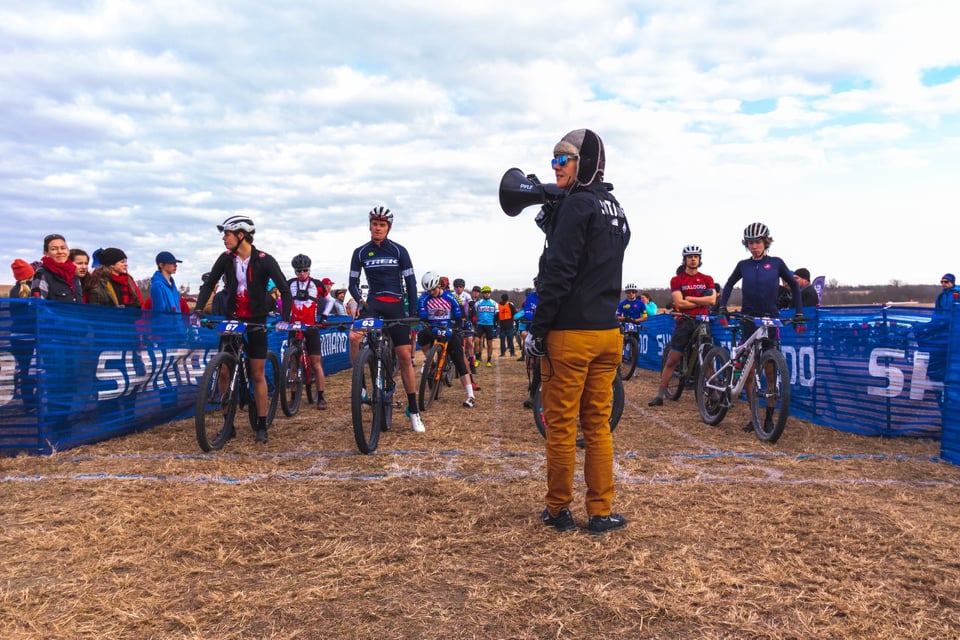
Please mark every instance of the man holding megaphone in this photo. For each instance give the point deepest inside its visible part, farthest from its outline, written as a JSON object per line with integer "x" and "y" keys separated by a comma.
{"x": 574, "y": 329}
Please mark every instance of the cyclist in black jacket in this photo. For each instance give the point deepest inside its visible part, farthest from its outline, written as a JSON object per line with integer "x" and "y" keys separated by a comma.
{"x": 247, "y": 272}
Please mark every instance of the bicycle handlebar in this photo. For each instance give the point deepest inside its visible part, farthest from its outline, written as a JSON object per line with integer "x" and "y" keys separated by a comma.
{"x": 700, "y": 317}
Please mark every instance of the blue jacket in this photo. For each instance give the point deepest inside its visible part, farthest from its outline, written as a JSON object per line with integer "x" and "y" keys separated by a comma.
{"x": 947, "y": 298}
{"x": 165, "y": 296}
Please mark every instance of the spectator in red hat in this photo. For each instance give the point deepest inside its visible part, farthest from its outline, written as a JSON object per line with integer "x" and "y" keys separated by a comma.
{"x": 56, "y": 278}
{"x": 23, "y": 274}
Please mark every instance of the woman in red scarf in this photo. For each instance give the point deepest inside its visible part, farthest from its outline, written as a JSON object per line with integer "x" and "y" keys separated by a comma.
{"x": 56, "y": 279}
{"x": 111, "y": 284}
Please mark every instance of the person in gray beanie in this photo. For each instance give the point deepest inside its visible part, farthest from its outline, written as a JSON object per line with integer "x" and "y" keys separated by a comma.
{"x": 575, "y": 330}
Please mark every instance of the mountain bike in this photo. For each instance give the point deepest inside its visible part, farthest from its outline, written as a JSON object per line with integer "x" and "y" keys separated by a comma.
{"x": 438, "y": 369}
{"x": 226, "y": 387}
{"x": 685, "y": 373}
{"x": 631, "y": 349}
{"x": 373, "y": 386}
{"x": 720, "y": 381}
{"x": 296, "y": 371}
{"x": 615, "y": 413}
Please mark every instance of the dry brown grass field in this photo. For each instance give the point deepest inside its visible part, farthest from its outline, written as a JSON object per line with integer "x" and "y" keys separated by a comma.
{"x": 824, "y": 535}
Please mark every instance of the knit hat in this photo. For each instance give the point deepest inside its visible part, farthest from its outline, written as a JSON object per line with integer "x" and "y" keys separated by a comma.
{"x": 111, "y": 256}
{"x": 950, "y": 277}
{"x": 802, "y": 272}
{"x": 589, "y": 147}
{"x": 21, "y": 270}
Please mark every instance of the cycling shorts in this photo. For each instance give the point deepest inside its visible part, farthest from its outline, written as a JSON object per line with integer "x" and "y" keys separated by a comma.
{"x": 485, "y": 330}
{"x": 400, "y": 333}
{"x": 255, "y": 339}
{"x": 682, "y": 334}
{"x": 311, "y": 340}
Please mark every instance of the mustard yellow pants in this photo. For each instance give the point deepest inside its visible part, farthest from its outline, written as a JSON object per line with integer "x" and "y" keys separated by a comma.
{"x": 578, "y": 375}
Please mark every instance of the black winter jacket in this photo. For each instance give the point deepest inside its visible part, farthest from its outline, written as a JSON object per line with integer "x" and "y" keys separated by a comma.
{"x": 263, "y": 268}
{"x": 582, "y": 263}
{"x": 51, "y": 286}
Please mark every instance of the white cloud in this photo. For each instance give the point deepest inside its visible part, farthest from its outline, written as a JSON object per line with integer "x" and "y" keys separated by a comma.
{"x": 144, "y": 125}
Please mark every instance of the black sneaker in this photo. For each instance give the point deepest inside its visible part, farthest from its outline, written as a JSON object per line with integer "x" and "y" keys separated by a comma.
{"x": 599, "y": 525}
{"x": 656, "y": 402}
{"x": 562, "y": 522}
{"x": 261, "y": 435}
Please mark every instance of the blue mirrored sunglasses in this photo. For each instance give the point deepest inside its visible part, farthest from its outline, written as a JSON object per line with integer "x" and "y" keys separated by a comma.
{"x": 562, "y": 160}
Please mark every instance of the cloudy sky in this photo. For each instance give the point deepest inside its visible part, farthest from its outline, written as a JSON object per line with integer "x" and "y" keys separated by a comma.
{"x": 143, "y": 125}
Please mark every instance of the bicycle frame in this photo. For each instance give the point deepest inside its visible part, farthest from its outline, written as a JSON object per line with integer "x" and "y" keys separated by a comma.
{"x": 234, "y": 345}
{"x": 443, "y": 336}
{"x": 750, "y": 350}
{"x": 300, "y": 341}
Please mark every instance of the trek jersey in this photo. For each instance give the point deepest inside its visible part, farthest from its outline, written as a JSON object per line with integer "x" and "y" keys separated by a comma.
{"x": 695, "y": 286}
{"x": 487, "y": 310}
{"x": 761, "y": 280}
{"x": 633, "y": 309}
{"x": 441, "y": 311}
{"x": 389, "y": 272}
{"x": 308, "y": 301}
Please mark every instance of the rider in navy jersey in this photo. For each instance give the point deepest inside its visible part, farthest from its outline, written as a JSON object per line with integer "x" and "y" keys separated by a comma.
{"x": 441, "y": 308}
{"x": 761, "y": 274}
{"x": 392, "y": 294}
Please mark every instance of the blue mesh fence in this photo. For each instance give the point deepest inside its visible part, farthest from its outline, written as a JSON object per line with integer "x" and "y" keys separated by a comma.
{"x": 73, "y": 374}
{"x": 869, "y": 369}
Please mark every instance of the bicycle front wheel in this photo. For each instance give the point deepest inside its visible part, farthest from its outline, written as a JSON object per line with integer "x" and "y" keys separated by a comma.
{"x": 216, "y": 406}
{"x": 291, "y": 381}
{"x": 631, "y": 354}
{"x": 366, "y": 401}
{"x": 770, "y": 404}
{"x": 713, "y": 383}
{"x": 429, "y": 378}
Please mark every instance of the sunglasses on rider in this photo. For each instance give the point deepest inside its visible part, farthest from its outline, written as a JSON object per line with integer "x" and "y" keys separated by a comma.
{"x": 562, "y": 160}
{"x": 302, "y": 270}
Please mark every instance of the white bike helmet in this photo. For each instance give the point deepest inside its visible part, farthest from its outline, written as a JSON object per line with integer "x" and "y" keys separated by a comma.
{"x": 631, "y": 287}
{"x": 756, "y": 230}
{"x": 237, "y": 223}
{"x": 381, "y": 213}
{"x": 692, "y": 250}
{"x": 430, "y": 280}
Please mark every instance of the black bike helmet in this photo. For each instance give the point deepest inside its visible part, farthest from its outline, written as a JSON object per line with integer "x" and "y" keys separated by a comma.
{"x": 300, "y": 262}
